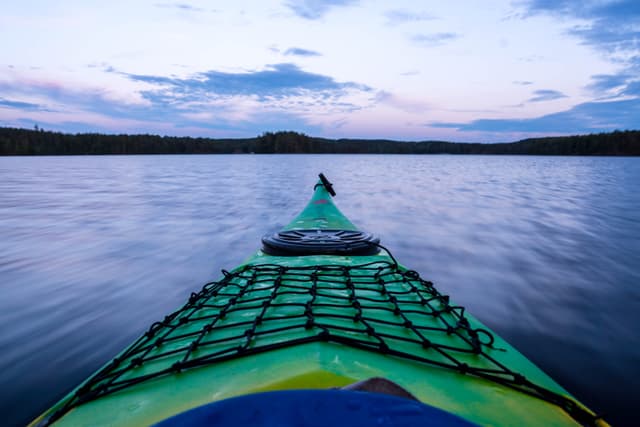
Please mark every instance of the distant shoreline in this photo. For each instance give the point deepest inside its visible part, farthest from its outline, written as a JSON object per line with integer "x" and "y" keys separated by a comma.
{"x": 27, "y": 142}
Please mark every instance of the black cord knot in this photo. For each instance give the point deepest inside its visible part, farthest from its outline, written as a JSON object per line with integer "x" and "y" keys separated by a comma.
{"x": 519, "y": 378}
{"x": 83, "y": 390}
{"x": 412, "y": 274}
{"x": 476, "y": 345}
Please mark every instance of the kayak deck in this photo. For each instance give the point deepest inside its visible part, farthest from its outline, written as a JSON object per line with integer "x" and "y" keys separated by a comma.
{"x": 318, "y": 321}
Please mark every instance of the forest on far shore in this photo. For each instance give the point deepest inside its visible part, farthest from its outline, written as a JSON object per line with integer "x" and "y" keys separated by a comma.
{"x": 27, "y": 142}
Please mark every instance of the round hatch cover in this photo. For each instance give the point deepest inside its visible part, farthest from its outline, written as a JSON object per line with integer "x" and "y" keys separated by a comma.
{"x": 320, "y": 242}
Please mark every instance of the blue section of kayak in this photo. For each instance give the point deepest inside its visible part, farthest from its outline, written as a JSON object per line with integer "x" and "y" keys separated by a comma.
{"x": 315, "y": 408}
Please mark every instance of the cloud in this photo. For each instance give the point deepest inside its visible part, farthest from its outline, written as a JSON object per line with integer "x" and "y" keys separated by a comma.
{"x": 546, "y": 95}
{"x": 402, "y": 16}
{"x": 316, "y": 9}
{"x": 19, "y": 105}
{"x": 275, "y": 81}
{"x": 522, "y": 82}
{"x": 297, "y": 51}
{"x": 54, "y": 97}
{"x": 606, "y": 82}
{"x": 181, "y": 6}
{"x": 435, "y": 39}
{"x": 612, "y": 25}
{"x": 410, "y": 73}
{"x": 588, "y": 117}
{"x": 625, "y": 83}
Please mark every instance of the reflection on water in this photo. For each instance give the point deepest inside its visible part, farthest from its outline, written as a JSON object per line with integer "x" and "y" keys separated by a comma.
{"x": 546, "y": 251}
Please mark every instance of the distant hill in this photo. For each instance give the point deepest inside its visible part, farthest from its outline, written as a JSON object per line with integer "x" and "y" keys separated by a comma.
{"x": 17, "y": 142}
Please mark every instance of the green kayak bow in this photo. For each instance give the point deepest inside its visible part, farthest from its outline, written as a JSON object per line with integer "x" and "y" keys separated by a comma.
{"x": 321, "y": 305}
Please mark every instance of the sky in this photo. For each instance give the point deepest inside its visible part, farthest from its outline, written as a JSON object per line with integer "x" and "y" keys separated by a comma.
{"x": 461, "y": 70}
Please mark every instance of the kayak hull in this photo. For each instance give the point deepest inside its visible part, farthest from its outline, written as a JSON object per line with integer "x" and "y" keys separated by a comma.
{"x": 301, "y": 358}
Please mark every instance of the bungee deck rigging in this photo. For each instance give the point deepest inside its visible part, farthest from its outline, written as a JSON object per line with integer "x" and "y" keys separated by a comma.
{"x": 372, "y": 306}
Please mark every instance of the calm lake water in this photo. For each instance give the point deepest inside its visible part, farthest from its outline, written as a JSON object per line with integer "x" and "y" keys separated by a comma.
{"x": 544, "y": 250}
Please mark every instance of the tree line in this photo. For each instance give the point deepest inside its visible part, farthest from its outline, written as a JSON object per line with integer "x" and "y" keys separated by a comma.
{"x": 15, "y": 141}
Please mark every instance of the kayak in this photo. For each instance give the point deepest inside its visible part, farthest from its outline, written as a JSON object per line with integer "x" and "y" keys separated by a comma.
{"x": 321, "y": 325}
